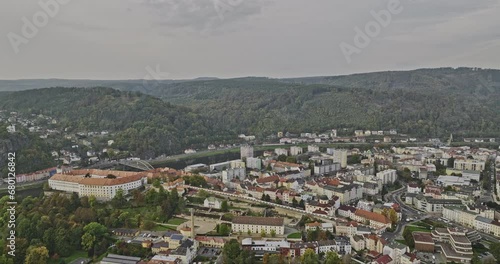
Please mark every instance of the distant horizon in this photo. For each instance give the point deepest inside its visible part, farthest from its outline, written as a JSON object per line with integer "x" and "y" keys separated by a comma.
{"x": 254, "y": 76}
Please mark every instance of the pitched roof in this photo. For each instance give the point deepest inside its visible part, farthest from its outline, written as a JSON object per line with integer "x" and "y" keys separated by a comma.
{"x": 383, "y": 259}
{"x": 372, "y": 216}
{"x": 268, "y": 179}
{"x": 98, "y": 177}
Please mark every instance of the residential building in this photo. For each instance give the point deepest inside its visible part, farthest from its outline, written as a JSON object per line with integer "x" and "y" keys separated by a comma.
{"x": 212, "y": 202}
{"x": 321, "y": 226}
{"x": 346, "y": 211}
{"x": 469, "y": 164}
{"x": 246, "y": 151}
{"x": 254, "y": 163}
{"x": 346, "y": 193}
{"x": 375, "y": 220}
{"x": 326, "y": 168}
{"x": 339, "y": 156}
{"x": 383, "y": 259}
{"x": 265, "y": 246}
{"x": 313, "y": 148}
{"x": 344, "y": 228}
{"x": 281, "y": 151}
{"x": 323, "y": 206}
{"x": 358, "y": 242}
{"x": 296, "y": 150}
{"x": 387, "y": 176}
{"x": 235, "y": 173}
{"x": 339, "y": 244}
{"x": 395, "y": 250}
{"x": 211, "y": 242}
{"x": 413, "y": 188}
{"x": 36, "y": 176}
{"x": 446, "y": 181}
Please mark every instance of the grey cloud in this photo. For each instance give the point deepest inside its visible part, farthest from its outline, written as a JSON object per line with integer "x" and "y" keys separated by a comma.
{"x": 206, "y": 16}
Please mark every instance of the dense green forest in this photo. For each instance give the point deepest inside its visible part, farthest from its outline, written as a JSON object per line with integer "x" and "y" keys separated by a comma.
{"x": 142, "y": 124}
{"x": 31, "y": 151}
{"x": 50, "y": 228}
{"x": 423, "y": 103}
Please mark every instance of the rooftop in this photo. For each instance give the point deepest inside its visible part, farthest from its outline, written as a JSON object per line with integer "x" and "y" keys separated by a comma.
{"x": 422, "y": 237}
{"x": 98, "y": 177}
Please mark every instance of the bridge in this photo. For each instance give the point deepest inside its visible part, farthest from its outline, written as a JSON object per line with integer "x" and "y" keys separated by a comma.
{"x": 136, "y": 164}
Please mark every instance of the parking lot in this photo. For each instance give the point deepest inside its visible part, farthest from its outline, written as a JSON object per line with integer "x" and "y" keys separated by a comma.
{"x": 429, "y": 257}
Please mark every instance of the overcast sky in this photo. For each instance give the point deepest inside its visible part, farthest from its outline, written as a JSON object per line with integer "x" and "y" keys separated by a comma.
{"x": 124, "y": 39}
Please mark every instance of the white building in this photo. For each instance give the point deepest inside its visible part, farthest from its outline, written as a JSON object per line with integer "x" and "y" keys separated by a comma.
{"x": 413, "y": 188}
{"x": 469, "y": 164}
{"x": 295, "y": 150}
{"x": 254, "y": 163}
{"x": 471, "y": 175}
{"x": 446, "y": 181}
{"x": 212, "y": 202}
{"x": 313, "y": 148}
{"x": 230, "y": 174}
{"x": 339, "y": 156}
{"x": 246, "y": 151}
{"x": 257, "y": 225}
{"x": 387, "y": 176}
{"x": 320, "y": 226}
{"x": 281, "y": 151}
{"x": 101, "y": 184}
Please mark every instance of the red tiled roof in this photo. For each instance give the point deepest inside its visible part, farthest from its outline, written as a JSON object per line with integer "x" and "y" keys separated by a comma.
{"x": 78, "y": 176}
{"x": 372, "y": 216}
{"x": 268, "y": 179}
{"x": 313, "y": 224}
{"x": 383, "y": 259}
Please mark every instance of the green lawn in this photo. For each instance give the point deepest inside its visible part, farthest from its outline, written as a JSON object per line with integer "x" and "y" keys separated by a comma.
{"x": 402, "y": 241}
{"x": 295, "y": 235}
{"x": 77, "y": 254}
{"x": 163, "y": 228}
{"x": 176, "y": 221}
{"x": 417, "y": 229}
{"x": 422, "y": 224}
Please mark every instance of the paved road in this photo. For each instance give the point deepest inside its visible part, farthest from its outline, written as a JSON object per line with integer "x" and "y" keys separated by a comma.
{"x": 406, "y": 211}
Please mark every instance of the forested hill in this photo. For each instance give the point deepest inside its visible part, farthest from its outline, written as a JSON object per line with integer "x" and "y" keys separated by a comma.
{"x": 264, "y": 106}
{"x": 480, "y": 81}
{"x": 426, "y": 102}
{"x": 143, "y": 124}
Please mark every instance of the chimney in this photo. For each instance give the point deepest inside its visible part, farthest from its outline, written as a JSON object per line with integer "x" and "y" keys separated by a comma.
{"x": 193, "y": 234}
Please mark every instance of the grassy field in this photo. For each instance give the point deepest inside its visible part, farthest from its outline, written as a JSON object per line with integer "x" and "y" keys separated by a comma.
{"x": 295, "y": 235}
{"x": 418, "y": 229}
{"x": 163, "y": 228}
{"x": 74, "y": 256}
{"x": 402, "y": 241}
